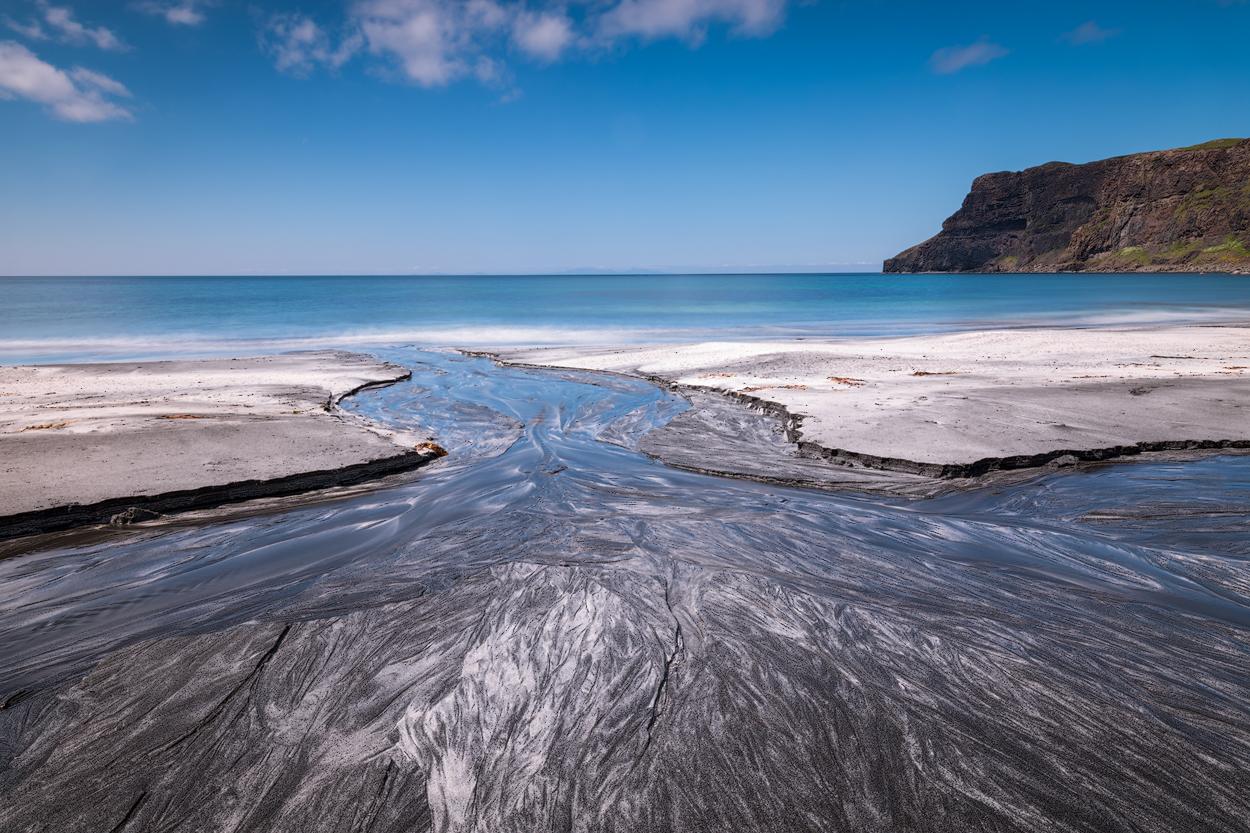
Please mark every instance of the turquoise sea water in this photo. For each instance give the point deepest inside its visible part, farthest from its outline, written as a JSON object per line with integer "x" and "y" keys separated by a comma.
{"x": 83, "y": 319}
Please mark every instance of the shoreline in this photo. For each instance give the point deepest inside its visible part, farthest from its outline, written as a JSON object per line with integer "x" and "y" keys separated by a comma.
{"x": 123, "y": 443}
{"x": 890, "y": 395}
{"x": 864, "y": 405}
{"x": 837, "y": 470}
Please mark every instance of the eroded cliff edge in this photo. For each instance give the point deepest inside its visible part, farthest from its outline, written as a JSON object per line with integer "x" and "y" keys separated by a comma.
{"x": 1183, "y": 210}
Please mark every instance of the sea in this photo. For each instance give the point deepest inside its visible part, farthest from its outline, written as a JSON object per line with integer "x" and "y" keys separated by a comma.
{"x": 94, "y": 319}
{"x": 550, "y": 630}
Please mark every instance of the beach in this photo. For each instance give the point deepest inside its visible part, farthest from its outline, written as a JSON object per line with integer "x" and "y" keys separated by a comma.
{"x": 550, "y": 620}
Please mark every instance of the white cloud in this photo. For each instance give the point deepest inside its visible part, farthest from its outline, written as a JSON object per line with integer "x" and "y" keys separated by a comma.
{"x": 544, "y": 36}
{"x": 423, "y": 35}
{"x": 178, "y": 12}
{"x": 435, "y": 42}
{"x": 78, "y": 95}
{"x": 954, "y": 58}
{"x": 298, "y": 44}
{"x": 100, "y": 82}
{"x": 1089, "y": 33}
{"x": 33, "y": 30}
{"x": 688, "y": 19}
{"x": 60, "y": 20}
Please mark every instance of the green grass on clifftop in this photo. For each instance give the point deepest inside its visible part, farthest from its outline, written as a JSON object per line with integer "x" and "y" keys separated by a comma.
{"x": 1214, "y": 144}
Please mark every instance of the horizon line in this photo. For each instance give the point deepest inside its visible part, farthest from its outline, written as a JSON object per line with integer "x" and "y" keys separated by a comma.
{"x": 566, "y": 274}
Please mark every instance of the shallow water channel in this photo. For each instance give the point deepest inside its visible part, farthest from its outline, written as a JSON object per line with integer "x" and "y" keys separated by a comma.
{"x": 548, "y": 630}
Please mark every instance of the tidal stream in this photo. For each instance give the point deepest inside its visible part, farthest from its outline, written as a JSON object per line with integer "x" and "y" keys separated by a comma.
{"x": 548, "y": 630}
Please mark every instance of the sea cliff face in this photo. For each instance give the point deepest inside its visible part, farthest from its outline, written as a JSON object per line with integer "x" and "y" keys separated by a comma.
{"x": 1183, "y": 210}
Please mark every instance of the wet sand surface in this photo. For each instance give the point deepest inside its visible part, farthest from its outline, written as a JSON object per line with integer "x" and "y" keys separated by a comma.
{"x": 550, "y": 630}
{"x": 941, "y": 404}
{"x": 73, "y": 437}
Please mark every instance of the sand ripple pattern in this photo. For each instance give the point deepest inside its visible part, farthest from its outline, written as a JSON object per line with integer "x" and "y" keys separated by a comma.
{"x": 550, "y": 631}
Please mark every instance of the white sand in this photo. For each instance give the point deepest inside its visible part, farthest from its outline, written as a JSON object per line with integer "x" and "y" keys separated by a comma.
{"x": 82, "y": 434}
{"x": 101, "y": 397}
{"x": 988, "y": 394}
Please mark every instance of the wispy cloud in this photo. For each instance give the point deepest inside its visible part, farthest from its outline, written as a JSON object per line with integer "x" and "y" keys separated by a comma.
{"x": 63, "y": 26}
{"x": 434, "y": 42}
{"x": 688, "y": 19}
{"x": 297, "y": 44}
{"x": 1089, "y": 32}
{"x": 954, "y": 58}
{"x": 176, "y": 12}
{"x": 33, "y": 29}
{"x": 77, "y": 95}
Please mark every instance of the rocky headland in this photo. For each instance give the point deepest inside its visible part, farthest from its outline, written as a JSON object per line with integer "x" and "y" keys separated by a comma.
{"x": 1182, "y": 210}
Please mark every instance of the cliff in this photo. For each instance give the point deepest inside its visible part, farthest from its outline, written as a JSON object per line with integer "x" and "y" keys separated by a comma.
{"x": 1183, "y": 210}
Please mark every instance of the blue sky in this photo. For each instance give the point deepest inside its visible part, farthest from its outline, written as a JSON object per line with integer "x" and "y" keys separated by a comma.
{"x": 498, "y": 136}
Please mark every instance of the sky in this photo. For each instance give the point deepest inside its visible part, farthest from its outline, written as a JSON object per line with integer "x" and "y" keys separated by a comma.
{"x": 204, "y": 137}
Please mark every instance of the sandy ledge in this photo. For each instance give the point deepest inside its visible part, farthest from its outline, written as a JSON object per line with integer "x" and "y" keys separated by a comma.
{"x": 84, "y": 443}
{"x": 944, "y": 406}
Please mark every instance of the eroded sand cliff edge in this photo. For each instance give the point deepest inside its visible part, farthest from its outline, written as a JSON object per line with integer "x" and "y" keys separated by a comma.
{"x": 125, "y": 442}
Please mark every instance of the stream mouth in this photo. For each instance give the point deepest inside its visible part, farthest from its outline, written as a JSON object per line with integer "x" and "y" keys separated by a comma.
{"x": 548, "y": 629}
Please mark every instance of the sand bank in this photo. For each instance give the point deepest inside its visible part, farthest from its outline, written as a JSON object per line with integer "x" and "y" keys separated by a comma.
{"x": 962, "y": 404}
{"x": 82, "y": 443}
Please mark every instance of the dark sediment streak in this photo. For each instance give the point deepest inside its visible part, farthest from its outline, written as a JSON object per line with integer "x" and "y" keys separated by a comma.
{"x": 552, "y": 632}
{"x": 67, "y": 517}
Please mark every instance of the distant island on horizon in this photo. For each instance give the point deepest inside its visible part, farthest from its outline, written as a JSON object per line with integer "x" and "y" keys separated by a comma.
{"x": 1180, "y": 210}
